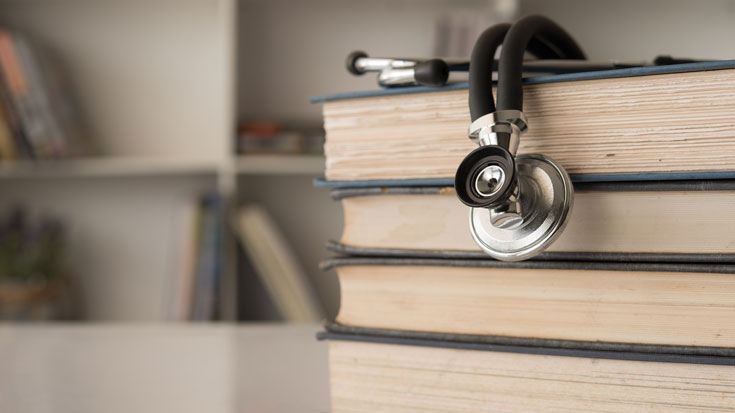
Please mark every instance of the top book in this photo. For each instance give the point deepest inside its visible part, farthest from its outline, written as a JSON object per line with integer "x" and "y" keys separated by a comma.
{"x": 676, "y": 121}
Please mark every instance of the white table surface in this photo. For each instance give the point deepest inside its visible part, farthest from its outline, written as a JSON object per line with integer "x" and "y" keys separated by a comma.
{"x": 162, "y": 368}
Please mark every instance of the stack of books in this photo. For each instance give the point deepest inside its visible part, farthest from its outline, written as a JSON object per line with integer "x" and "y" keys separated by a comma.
{"x": 632, "y": 308}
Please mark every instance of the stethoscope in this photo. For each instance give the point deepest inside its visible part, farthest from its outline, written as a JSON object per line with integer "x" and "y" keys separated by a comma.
{"x": 399, "y": 72}
{"x": 519, "y": 204}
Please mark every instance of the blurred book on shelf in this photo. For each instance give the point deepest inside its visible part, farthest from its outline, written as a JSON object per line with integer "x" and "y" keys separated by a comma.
{"x": 38, "y": 117}
{"x": 274, "y": 262}
{"x": 280, "y": 138}
{"x": 34, "y": 283}
{"x": 195, "y": 283}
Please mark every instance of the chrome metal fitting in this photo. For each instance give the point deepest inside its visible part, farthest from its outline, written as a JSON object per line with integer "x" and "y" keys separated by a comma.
{"x": 502, "y": 128}
{"x": 509, "y": 214}
{"x": 396, "y": 76}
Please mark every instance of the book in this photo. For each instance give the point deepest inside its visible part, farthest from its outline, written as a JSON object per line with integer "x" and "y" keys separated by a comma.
{"x": 648, "y": 303}
{"x": 209, "y": 258}
{"x": 664, "y": 122}
{"x": 279, "y": 138}
{"x": 187, "y": 236}
{"x": 276, "y": 265}
{"x": 22, "y": 145}
{"x": 36, "y": 101}
{"x": 673, "y": 221}
{"x": 7, "y": 144}
{"x": 378, "y": 373}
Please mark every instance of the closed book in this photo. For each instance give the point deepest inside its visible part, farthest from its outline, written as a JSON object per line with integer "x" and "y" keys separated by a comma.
{"x": 647, "y": 303}
{"x": 643, "y": 221}
{"x": 672, "y": 120}
{"x": 375, "y": 372}
{"x": 209, "y": 260}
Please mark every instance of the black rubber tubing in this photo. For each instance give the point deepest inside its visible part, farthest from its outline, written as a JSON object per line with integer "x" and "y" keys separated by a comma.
{"x": 481, "y": 70}
{"x": 481, "y": 65}
{"x": 510, "y": 67}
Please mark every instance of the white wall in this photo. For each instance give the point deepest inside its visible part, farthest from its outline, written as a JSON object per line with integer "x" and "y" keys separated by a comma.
{"x": 292, "y": 50}
{"x": 642, "y": 29}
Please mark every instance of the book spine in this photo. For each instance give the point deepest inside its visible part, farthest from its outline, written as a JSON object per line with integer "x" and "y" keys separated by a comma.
{"x": 40, "y": 106}
{"x": 208, "y": 264}
{"x": 12, "y": 116}
{"x": 7, "y": 145}
{"x": 62, "y": 106}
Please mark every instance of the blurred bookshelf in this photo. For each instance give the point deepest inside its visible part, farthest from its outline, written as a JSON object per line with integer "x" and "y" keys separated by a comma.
{"x": 166, "y": 155}
{"x": 100, "y": 167}
{"x": 161, "y": 124}
{"x": 161, "y": 86}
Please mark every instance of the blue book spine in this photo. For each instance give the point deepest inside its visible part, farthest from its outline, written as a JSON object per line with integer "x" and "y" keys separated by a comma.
{"x": 209, "y": 265}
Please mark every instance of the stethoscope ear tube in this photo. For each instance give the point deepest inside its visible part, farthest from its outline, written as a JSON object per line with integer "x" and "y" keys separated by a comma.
{"x": 399, "y": 72}
{"x": 435, "y": 72}
{"x": 510, "y": 67}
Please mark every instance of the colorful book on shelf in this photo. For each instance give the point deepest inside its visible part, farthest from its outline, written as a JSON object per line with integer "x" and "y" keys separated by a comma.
{"x": 209, "y": 258}
{"x": 279, "y": 138}
{"x": 187, "y": 232}
{"x": 36, "y": 102}
{"x": 8, "y": 151}
{"x": 193, "y": 292}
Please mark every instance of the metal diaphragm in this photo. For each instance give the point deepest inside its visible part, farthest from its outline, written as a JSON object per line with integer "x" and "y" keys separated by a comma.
{"x": 547, "y": 193}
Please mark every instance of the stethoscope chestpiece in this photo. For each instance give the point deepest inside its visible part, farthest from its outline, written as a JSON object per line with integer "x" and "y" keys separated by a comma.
{"x": 531, "y": 218}
{"x": 519, "y": 205}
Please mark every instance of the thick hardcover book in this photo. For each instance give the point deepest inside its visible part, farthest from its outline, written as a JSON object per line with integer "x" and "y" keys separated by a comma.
{"x": 654, "y": 122}
{"x": 375, "y": 370}
{"x": 674, "y": 221}
{"x": 645, "y": 303}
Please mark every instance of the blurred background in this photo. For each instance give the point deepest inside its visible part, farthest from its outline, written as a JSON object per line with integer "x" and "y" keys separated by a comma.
{"x": 157, "y": 157}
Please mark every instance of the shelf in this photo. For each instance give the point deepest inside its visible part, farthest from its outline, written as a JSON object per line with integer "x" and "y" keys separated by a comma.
{"x": 280, "y": 165}
{"x": 106, "y": 167}
{"x": 141, "y": 167}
